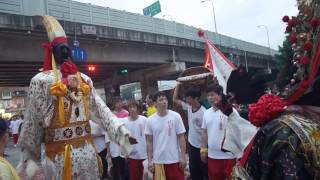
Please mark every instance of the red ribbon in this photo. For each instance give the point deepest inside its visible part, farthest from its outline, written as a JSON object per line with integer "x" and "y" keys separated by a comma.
{"x": 246, "y": 153}
{"x": 48, "y": 51}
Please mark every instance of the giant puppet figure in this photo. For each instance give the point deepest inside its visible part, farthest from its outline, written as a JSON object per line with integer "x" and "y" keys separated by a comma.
{"x": 287, "y": 144}
{"x": 56, "y": 127}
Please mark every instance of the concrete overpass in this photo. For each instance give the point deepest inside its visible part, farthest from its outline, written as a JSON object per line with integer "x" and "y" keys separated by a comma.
{"x": 116, "y": 39}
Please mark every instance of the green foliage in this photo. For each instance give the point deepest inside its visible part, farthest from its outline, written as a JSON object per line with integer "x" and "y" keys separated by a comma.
{"x": 285, "y": 65}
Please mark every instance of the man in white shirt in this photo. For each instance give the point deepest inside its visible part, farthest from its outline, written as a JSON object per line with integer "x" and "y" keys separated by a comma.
{"x": 195, "y": 111}
{"x": 220, "y": 163}
{"x": 165, "y": 141}
{"x": 14, "y": 126}
{"x": 102, "y": 144}
{"x": 136, "y": 123}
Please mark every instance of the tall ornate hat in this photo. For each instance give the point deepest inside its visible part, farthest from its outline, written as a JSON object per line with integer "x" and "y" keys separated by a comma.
{"x": 56, "y": 36}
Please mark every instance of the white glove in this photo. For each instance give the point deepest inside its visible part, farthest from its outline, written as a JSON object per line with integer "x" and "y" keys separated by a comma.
{"x": 27, "y": 164}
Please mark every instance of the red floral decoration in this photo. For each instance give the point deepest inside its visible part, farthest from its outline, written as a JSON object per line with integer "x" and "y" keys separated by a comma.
{"x": 304, "y": 60}
{"x": 285, "y": 19}
{"x": 308, "y": 46}
{"x": 267, "y": 108}
{"x": 68, "y": 68}
{"x": 200, "y": 33}
{"x": 315, "y": 22}
{"x": 292, "y": 23}
{"x": 292, "y": 39}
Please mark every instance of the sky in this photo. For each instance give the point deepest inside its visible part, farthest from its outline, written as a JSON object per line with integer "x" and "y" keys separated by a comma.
{"x": 236, "y": 18}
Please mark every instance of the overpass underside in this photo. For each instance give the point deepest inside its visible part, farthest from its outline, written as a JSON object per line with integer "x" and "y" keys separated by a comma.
{"x": 110, "y": 50}
{"x": 21, "y": 56}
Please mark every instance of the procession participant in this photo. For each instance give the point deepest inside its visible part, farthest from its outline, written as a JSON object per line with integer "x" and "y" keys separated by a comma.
{"x": 119, "y": 165}
{"x": 61, "y": 101}
{"x": 136, "y": 125}
{"x": 166, "y": 146}
{"x": 195, "y": 111}
{"x": 220, "y": 163}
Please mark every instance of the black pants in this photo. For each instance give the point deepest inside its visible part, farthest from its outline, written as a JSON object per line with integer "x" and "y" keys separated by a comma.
{"x": 120, "y": 169}
{"x": 103, "y": 155}
{"x": 198, "y": 169}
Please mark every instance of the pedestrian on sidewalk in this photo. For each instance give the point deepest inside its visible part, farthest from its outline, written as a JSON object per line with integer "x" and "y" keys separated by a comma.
{"x": 195, "y": 111}
{"x": 7, "y": 172}
{"x": 166, "y": 146}
{"x": 14, "y": 126}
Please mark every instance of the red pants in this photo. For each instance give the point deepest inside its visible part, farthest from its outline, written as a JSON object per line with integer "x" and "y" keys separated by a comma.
{"x": 135, "y": 168}
{"x": 15, "y": 138}
{"x": 220, "y": 169}
{"x": 173, "y": 172}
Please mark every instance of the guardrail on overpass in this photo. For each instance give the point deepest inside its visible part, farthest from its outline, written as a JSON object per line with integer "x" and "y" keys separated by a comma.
{"x": 68, "y": 10}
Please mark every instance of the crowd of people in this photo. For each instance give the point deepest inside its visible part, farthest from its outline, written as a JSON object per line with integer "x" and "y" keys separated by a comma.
{"x": 160, "y": 135}
{"x": 70, "y": 129}
{"x": 160, "y": 139}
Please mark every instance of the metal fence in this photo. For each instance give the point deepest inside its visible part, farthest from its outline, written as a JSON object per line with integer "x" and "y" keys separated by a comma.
{"x": 69, "y": 10}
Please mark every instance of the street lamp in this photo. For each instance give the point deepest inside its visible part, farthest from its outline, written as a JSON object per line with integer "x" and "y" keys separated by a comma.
{"x": 267, "y": 31}
{"x": 167, "y": 15}
{"x": 214, "y": 18}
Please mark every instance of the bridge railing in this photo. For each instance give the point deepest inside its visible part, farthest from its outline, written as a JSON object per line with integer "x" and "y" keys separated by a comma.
{"x": 69, "y": 10}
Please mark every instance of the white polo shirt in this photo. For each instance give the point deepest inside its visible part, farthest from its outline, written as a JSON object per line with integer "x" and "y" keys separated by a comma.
{"x": 214, "y": 121}
{"x": 195, "y": 122}
{"x": 137, "y": 128}
{"x": 115, "y": 149}
{"x": 164, "y": 131}
{"x": 100, "y": 136}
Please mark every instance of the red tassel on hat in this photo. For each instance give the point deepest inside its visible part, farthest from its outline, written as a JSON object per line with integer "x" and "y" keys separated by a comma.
{"x": 48, "y": 51}
{"x": 308, "y": 46}
{"x": 285, "y": 19}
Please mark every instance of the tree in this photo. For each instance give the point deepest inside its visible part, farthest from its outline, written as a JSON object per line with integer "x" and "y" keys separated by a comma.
{"x": 286, "y": 69}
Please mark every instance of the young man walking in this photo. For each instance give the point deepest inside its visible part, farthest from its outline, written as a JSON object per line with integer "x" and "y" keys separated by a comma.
{"x": 136, "y": 123}
{"x": 220, "y": 163}
{"x": 195, "y": 111}
{"x": 165, "y": 141}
